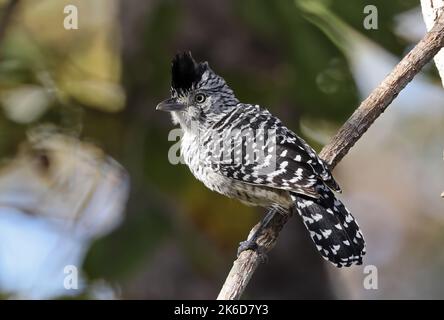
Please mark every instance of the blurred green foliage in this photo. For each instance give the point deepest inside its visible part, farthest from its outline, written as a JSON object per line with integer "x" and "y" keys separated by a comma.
{"x": 316, "y": 72}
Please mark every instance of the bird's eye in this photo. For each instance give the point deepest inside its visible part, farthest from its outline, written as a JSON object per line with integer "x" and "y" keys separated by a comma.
{"x": 200, "y": 98}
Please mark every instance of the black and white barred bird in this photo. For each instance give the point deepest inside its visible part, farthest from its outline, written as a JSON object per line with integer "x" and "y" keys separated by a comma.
{"x": 242, "y": 151}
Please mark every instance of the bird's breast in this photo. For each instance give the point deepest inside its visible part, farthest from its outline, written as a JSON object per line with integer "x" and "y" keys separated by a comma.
{"x": 194, "y": 156}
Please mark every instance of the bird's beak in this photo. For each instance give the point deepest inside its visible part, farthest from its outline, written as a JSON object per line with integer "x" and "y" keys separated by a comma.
{"x": 170, "y": 105}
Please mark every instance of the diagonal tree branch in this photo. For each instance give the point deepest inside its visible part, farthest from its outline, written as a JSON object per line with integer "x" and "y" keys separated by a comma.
{"x": 363, "y": 117}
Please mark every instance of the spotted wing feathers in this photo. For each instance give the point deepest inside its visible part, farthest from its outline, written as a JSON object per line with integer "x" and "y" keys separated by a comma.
{"x": 287, "y": 161}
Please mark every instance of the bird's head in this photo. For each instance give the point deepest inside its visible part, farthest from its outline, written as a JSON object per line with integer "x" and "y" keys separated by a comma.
{"x": 199, "y": 97}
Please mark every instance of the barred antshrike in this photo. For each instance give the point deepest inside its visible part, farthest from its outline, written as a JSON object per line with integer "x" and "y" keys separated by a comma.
{"x": 242, "y": 151}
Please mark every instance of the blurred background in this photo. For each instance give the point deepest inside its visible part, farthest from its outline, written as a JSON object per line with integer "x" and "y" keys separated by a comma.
{"x": 85, "y": 179}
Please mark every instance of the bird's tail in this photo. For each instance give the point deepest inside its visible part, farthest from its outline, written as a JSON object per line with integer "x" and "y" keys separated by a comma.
{"x": 332, "y": 228}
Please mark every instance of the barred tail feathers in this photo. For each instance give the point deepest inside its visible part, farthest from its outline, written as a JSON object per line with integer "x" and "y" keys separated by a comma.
{"x": 332, "y": 228}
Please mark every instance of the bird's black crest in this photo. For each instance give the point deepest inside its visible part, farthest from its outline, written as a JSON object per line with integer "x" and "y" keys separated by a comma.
{"x": 185, "y": 71}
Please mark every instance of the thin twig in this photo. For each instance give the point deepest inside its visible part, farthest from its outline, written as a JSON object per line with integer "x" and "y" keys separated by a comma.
{"x": 363, "y": 117}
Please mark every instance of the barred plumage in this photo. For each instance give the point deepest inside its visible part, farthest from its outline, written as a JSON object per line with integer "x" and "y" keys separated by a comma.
{"x": 244, "y": 152}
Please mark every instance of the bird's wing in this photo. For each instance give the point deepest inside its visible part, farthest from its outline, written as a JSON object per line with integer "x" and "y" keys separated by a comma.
{"x": 280, "y": 159}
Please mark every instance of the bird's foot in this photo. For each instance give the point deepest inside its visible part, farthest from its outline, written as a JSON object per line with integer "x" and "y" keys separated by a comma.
{"x": 252, "y": 245}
